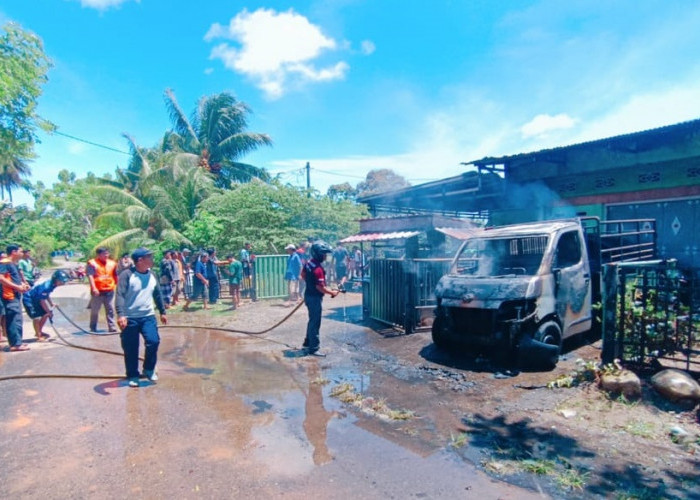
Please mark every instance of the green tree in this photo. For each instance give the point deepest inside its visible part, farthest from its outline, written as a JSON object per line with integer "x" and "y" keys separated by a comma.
{"x": 163, "y": 201}
{"x": 380, "y": 181}
{"x": 217, "y": 135}
{"x": 271, "y": 216}
{"x": 68, "y": 209}
{"x": 339, "y": 192}
{"x": 23, "y": 68}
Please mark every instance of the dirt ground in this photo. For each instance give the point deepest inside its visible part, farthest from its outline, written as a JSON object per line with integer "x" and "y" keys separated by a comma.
{"x": 394, "y": 417}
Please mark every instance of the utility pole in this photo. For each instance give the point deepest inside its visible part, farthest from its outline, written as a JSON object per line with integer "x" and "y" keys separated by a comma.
{"x": 308, "y": 180}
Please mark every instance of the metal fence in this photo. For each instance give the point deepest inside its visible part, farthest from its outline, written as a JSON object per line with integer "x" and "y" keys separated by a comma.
{"x": 651, "y": 315}
{"x": 266, "y": 280}
{"x": 268, "y": 276}
{"x": 400, "y": 290}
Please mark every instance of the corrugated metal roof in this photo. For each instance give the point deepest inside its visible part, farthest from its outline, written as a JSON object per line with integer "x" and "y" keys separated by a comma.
{"x": 683, "y": 127}
{"x": 397, "y": 235}
{"x": 460, "y": 233}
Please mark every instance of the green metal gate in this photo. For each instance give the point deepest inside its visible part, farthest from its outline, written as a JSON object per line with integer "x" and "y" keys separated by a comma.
{"x": 400, "y": 288}
{"x": 268, "y": 276}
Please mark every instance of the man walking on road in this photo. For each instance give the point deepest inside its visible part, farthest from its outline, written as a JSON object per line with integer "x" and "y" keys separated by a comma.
{"x": 102, "y": 275}
{"x": 137, "y": 290}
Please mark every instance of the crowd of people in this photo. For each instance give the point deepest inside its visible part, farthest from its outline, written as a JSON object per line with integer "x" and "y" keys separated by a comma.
{"x": 129, "y": 291}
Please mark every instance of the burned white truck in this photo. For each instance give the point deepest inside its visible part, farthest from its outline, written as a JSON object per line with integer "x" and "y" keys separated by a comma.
{"x": 522, "y": 289}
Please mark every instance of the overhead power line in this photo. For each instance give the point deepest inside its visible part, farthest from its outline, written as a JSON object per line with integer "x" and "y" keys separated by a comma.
{"x": 91, "y": 143}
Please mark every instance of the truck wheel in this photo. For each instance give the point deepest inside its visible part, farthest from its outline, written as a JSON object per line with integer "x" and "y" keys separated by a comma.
{"x": 440, "y": 337}
{"x": 549, "y": 333}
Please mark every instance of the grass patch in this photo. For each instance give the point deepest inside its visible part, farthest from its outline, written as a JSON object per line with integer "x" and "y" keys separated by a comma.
{"x": 639, "y": 428}
{"x": 572, "y": 479}
{"x": 346, "y": 393}
{"x": 539, "y": 466}
{"x": 459, "y": 440}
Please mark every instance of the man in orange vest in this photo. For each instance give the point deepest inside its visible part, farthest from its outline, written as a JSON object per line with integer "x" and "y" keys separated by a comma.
{"x": 102, "y": 274}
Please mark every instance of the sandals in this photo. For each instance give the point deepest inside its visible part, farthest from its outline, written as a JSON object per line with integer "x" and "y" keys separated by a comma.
{"x": 17, "y": 348}
{"x": 43, "y": 337}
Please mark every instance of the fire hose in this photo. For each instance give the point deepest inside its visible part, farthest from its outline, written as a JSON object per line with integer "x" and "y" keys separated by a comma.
{"x": 116, "y": 353}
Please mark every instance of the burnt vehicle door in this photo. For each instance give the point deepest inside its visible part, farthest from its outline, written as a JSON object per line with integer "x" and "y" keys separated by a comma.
{"x": 572, "y": 284}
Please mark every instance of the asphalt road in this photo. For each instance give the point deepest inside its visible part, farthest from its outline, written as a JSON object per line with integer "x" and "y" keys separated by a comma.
{"x": 232, "y": 416}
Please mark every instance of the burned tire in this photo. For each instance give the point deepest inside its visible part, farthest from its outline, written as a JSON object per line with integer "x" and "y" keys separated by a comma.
{"x": 548, "y": 334}
{"x": 440, "y": 335}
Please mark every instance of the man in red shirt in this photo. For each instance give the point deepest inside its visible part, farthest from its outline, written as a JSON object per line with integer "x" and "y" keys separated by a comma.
{"x": 315, "y": 277}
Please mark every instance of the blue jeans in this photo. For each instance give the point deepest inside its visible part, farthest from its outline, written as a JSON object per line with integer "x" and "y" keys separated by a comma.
{"x": 148, "y": 327}
{"x": 313, "y": 328}
{"x": 13, "y": 322}
{"x": 214, "y": 289}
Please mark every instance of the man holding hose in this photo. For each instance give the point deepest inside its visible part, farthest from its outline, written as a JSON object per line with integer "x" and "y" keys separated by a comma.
{"x": 137, "y": 289}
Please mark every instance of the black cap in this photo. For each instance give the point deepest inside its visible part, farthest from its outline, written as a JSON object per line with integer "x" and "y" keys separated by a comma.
{"x": 140, "y": 252}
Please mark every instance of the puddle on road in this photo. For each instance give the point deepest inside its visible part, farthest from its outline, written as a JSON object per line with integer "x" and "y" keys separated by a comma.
{"x": 280, "y": 407}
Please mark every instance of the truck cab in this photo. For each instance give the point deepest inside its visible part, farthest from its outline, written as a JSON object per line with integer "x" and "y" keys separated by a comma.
{"x": 522, "y": 287}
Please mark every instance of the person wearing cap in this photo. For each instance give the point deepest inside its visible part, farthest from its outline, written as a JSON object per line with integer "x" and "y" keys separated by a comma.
{"x": 102, "y": 275}
{"x": 137, "y": 290}
{"x": 292, "y": 273}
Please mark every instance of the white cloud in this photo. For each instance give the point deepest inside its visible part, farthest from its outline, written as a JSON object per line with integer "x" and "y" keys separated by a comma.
{"x": 275, "y": 50}
{"x": 103, "y": 4}
{"x": 367, "y": 47}
{"x": 543, "y": 125}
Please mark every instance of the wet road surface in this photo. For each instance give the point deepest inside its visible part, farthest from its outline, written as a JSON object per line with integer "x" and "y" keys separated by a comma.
{"x": 231, "y": 416}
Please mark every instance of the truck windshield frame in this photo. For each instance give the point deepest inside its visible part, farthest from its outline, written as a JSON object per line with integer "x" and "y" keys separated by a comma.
{"x": 507, "y": 256}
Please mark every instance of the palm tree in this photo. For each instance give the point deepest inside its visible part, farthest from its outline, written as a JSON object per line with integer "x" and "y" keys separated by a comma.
{"x": 217, "y": 135}
{"x": 152, "y": 204}
{"x": 13, "y": 172}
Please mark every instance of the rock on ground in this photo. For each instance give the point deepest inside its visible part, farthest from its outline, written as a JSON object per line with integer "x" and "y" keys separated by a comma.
{"x": 676, "y": 385}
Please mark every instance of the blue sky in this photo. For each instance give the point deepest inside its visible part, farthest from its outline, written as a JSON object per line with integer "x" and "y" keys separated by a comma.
{"x": 418, "y": 86}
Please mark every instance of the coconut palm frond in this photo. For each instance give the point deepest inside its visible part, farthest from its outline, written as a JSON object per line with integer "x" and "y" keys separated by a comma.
{"x": 110, "y": 219}
{"x": 237, "y": 145}
{"x": 137, "y": 216}
{"x": 179, "y": 119}
{"x": 138, "y": 154}
{"x": 113, "y": 195}
{"x": 121, "y": 240}
{"x": 175, "y": 237}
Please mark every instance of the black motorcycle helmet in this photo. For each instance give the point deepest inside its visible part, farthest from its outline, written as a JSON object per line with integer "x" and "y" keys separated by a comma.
{"x": 319, "y": 249}
{"x": 61, "y": 276}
